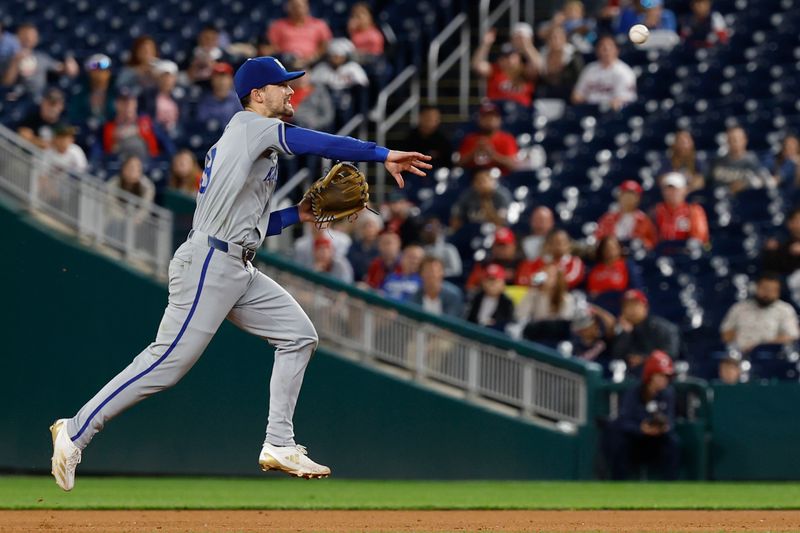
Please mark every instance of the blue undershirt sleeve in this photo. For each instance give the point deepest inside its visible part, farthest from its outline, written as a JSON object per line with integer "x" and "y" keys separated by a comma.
{"x": 304, "y": 141}
{"x": 282, "y": 219}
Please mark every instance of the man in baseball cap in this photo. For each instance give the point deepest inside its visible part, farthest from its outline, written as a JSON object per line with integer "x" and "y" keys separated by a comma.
{"x": 627, "y": 222}
{"x": 675, "y": 218}
{"x": 257, "y": 72}
{"x": 644, "y": 433}
{"x": 639, "y": 332}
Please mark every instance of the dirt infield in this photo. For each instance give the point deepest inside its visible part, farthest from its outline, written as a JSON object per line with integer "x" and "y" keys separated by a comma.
{"x": 419, "y": 521}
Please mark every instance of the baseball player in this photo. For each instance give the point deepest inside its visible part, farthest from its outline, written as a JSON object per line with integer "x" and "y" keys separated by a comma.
{"x": 211, "y": 277}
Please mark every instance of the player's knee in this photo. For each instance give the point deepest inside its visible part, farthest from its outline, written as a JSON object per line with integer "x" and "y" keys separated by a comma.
{"x": 309, "y": 336}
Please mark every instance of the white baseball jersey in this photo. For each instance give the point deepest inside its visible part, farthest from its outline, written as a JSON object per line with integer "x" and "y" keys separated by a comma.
{"x": 240, "y": 174}
{"x": 600, "y": 85}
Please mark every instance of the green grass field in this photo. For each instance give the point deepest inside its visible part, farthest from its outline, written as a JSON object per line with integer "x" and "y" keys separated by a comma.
{"x": 26, "y": 492}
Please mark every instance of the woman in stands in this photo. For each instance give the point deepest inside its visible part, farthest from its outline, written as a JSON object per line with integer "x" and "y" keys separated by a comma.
{"x": 548, "y": 307}
{"x": 785, "y": 166}
{"x": 184, "y": 173}
{"x": 682, "y": 157}
{"x": 612, "y": 273}
{"x": 557, "y": 250}
{"x": 363, "y": 32}
{"x": 139, "y": 72}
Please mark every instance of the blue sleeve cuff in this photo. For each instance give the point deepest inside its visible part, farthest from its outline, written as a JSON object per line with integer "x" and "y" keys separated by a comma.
{"x": 282, "y": 219}
{"x": 382, "y": 152}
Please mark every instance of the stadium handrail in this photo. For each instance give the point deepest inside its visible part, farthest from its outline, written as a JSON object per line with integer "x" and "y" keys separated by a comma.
{"x": 460, "y": 54}
{"x": 456, "y": 325}
{"x": 106, "y": 217}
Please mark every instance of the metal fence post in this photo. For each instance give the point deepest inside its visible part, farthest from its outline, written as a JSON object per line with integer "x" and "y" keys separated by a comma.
{"x": 527, "y": 388}
{"x": 420, "y": 352}
{"x": 473, "y": 370}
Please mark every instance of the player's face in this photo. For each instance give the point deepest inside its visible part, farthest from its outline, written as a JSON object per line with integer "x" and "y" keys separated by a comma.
{"x": 276, "y": 99}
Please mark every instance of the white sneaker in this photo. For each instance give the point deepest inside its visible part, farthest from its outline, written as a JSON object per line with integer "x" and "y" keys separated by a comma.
{"x": 291, "y": 459}
{"x": 66, "y": 455}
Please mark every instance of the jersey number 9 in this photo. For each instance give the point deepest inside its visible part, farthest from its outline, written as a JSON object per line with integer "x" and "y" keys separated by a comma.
{"x": 206, "y": 179}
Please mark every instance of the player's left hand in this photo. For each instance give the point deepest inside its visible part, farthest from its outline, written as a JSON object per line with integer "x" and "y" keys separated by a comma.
{"x": 304, "y": 207}
{"x": 398, "y": 162}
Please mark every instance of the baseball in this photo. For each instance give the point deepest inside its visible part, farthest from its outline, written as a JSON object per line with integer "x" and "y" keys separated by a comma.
{"x": 638, "y": 34}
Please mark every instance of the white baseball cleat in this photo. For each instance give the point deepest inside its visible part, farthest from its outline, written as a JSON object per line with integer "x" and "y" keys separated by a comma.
{"x": 66, "y": 455}
{"x": 293, "y": 460}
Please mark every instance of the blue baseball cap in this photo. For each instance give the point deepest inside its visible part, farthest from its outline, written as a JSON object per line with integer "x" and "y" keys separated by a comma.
{"x": 257, "y": 72}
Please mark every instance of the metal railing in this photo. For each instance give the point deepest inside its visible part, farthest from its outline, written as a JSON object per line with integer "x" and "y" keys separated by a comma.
{"x": 430, "y": 353}
{"x": 461, "y": 54}
{"x": 385, "y": 123}
{"x": 489, "y": 17}
{"x": 114, "y": 219}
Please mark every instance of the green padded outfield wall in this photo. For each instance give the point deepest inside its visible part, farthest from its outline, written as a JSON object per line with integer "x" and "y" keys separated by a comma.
{"x": 755, "y": 432}
{"x": 71, "y": 319}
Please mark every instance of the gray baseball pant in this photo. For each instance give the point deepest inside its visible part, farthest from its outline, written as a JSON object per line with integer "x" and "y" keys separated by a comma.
{"x": 206, "y": 286}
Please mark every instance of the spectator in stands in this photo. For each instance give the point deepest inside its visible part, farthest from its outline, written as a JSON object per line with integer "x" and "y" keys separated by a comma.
{"x": 651, "y": 13}
{"x": 388, "y": 260}
{"x": 490, "y": 307}
{"x": 579, "y": 28}
{"x": 206, "y": 55}
{"x": 785, "y": 165}
{"x": 638, "y": 332}
{"x": 29, "y": 67}
{"x": 364, "y": 249}
{"x": 94, "y": 103}
{"x": 404, "y": 283}
{"x": 739, "y": 169}
{"x": 436, "y": 295}
{"x": 682, "y": 157}
{"x": 63, "y": 152}
{"x": 490, "y": 146}
{"x": 541, "y": 223}
{"x": 761, "y": 319}
{"x": 704, "y": 27}
{"x": 558, "y": 67}
{"x": 429, "y": 138}
{"x": 504, "y": 253}
{"x": 548, "y": 308}
{"x": 484, "y": 201}
{"x": 164, "y": 108}
{"x": 644, "y": 432}
{"x": 363, "y": 32}
{"x": 592, "y": 334}
{"x": 402, "y": 219}
{"x": 607, "y": 81}
{"x": 131, "y": 179}
{"x": 675, "y": 218}
{"x": 511, "y": 77}
{"x": 304, "y": 246}
{"x": 328, "y": 262}
{"x": 338, "y": 72}
{"x": 221, "y": 102}
{"x": 312, "y": 103}
{"x": 627, "y": 222}
{"x": 299, "y": 35}
{"x": 38, "y": 126}
{"x": 557, "y": 250}
{"x": 184, "y": 173}
{"x": 131, "y": 133}
{"x": 612, "y": 272}
{"x": 432, "y": 239}
{"x": 730, "y": 371}
{"x": 139, "y": 72}
{"x": 783, "y": 257}
{"x": 9, "y": 46}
